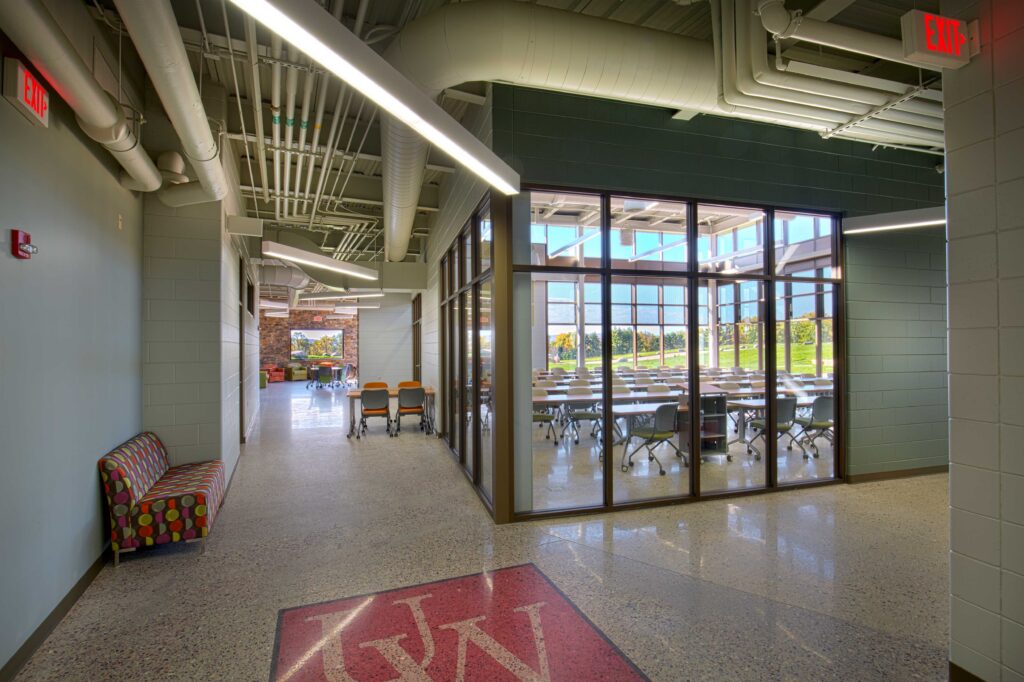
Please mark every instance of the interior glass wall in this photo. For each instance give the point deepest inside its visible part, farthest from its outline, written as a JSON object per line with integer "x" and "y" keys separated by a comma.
{"x": 467, "y": 347}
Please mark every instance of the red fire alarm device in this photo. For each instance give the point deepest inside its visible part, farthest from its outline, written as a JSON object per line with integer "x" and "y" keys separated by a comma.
{"x": 26, "y": 92}
{"x": 937, "y": 41}
{"x": 21, "y": 245}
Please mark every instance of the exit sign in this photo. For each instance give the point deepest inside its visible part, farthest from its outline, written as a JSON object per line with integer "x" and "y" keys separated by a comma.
{"x": 937, "y": 41}
{"x": 26, "y": 92}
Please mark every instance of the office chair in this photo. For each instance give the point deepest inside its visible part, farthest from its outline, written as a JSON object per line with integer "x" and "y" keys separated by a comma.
{"x": 785, "y": 418}
{"x": 374, "y": 402}
{"x": 544, "y": 416}
{"x": 662, "y": 430}
{"x": 818, "y": 424}
{"x": 576, "y": 412}
{"x": 411, "y": 400}
{"x": 324, "y": 376}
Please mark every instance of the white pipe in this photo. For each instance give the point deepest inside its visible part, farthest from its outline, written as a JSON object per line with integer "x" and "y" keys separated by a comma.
{"x": 275, "y": 118}
{"x": 782, "y": 23}
{"x": 307, "y": 92}
{"x": 154, "y": 30}
{"x": 291, "y": 87}
{"x": 321, "y": 102}
{"x": 257, "y": 100}
{"x": 31, "y": 27}
{"x": 745, "y": 91}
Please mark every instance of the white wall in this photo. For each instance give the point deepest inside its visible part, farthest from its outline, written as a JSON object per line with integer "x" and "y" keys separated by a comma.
{"x": 985, "y": 189}
{"x": 70, "y": 358}
{"x": 385, "y": 340}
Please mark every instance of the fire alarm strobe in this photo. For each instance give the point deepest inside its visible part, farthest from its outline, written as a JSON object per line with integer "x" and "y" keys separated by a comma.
{"x": 21, "y": 245}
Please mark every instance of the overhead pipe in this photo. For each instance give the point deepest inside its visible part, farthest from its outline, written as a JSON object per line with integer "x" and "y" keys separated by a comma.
{"x": 898, "y": 123}
{"x": 256, "y": 95}
{"x": 291, "y": 89}
{"x": 275, "y": 118}
{"x": 307, "y": 92}
{"x": 154, "y": 30}
{"x": 321, "y": 103}
{"x": 783, "y": 24}
{"x": 31, "y": 27}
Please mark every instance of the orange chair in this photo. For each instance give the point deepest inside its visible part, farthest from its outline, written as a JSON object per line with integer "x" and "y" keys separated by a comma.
{"x": 376, "y": 384}
{"x": 411, "y": 400}
{"x": 374, "y": 401}
{"x": 409, "y": 384}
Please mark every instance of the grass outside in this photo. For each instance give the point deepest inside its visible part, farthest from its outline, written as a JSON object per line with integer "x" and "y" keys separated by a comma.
{"x": 802, "y": 359}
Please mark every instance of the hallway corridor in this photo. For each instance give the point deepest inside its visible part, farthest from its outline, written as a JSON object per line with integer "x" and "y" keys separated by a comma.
{"x": 837, "y": 582}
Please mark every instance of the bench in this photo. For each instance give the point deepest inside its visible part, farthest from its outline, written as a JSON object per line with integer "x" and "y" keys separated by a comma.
{"x": 151, "y": 503}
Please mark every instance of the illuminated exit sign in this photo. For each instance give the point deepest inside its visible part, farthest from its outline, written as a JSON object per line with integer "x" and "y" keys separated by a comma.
{"x": 26, "y": 92}
{"x": 937, "y": 41}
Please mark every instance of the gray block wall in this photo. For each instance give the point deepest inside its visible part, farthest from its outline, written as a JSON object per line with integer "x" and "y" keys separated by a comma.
{"x": 895, "y": 284}
{"x": 896, "y": 351}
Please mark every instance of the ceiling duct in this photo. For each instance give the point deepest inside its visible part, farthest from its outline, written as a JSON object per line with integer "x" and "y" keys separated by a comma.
{"x": 283, "y": 276}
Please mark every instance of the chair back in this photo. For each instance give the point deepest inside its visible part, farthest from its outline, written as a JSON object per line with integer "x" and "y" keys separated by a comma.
{"x": 409, "y": 384}
{"x": 374, "y": 399}
{"x": 786, "y": 408}
{"x": 131, "y": 469}
{"x": 727, "y": 385}
{"x": 618, "y": 381}
{"x": 757, "y": 384}
{"x": 546, "y": 383}
{"x": 413, "y": 396}
{"x": 822, "y": 382}
{"x": 823, "y": 409}
{"x": 376, "y": 384}
{"x": 659, "y": 388}
{"x": 540, "y": 392}
{"x": 643, "y": 381}
{"x": 579, "y": 382}
{"x": 558, "y": 371}
{"x": 620, "y": 388}
{"x": 665, "y": 417}
{"x": 737, "y": 370}
{"x": 324, "y": 374}
{"x": 579, "y": 391}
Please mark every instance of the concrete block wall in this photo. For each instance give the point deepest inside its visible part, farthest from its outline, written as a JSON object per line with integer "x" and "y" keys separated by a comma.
{"x": 896, "y": 350}
{"x": 181, "y": 334}
{"x": 385, "y": 340}
{"x": 985, "y": 185}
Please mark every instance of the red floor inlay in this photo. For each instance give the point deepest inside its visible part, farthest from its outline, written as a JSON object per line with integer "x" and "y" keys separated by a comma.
{"x": 510, "y": 624}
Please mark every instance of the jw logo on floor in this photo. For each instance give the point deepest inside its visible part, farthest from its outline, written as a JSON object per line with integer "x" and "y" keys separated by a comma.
{"x": 511, "y": 624}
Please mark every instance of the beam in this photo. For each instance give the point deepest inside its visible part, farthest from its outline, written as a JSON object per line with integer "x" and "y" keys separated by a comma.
{"x": 321, "y": 150}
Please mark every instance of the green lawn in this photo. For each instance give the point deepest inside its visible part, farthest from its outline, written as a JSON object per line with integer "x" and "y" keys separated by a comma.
{"x": 802, "y": 358}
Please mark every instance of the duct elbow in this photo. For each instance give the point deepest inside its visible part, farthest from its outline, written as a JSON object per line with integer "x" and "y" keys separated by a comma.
{"x": 776, "y": 19}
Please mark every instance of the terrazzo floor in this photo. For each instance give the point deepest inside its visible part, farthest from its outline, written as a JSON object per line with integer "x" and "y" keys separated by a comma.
{"x": 839, "y": 582}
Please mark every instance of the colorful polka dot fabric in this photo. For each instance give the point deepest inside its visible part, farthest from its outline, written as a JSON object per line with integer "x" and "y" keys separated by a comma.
{"x": 153, "y": 504}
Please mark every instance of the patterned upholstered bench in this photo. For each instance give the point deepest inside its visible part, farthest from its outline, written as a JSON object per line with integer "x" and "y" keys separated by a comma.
{"x": 151, "y": 503}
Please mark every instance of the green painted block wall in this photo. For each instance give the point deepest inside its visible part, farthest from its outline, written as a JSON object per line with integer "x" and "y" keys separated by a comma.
{"x": 895, "y": 284}
{"x": 896, "y": 350}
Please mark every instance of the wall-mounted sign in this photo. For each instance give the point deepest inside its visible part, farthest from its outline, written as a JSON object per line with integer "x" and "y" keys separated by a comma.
{"x": 24, "y": 90}
{"x": 937, "y": 41}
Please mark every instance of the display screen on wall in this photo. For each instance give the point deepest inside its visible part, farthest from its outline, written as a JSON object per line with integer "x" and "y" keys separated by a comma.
{"x": 318, "y": 344}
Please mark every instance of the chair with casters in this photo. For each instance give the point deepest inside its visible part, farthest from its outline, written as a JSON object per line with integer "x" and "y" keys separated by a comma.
{"x": 785, "y": 421}
{"x": 581, "y": 411}
{"x": 411, "y": 400}
{"x": 662, "y": 430}
{"x": 659, "y": 388}
{"x": 818, "y": 424}
{"x": 324, "y": 376}
{"x": 374, "y": 401}
{"x": 544, "y": 416}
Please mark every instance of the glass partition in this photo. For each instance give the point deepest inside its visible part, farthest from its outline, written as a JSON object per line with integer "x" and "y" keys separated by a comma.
{"x": 648, "y": 234}
{"x": 564, "y": 230}
{"x": 730, "y": 239}
{"x": 803, "y": 244}
{"x": 485, "y": 372}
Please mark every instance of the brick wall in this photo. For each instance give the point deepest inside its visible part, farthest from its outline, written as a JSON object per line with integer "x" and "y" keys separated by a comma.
{"x": 275, "y": 335}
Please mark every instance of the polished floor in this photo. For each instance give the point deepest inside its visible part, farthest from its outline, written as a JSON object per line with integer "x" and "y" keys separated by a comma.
{"x": 839, "y": 582}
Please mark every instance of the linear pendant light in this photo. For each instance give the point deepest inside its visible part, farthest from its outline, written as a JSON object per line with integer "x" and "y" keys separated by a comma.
{"x": 897, "y": 220}
{"x": 338, "y": 296}
{"x": 345, "y": 307}
{"x": 290, "y": 253}
{"x": 323, "y": 38}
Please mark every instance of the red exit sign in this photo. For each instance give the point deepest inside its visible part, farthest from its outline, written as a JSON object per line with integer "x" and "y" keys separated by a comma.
{"x": 936, "y": 41}
{"x": 25, "y": 91}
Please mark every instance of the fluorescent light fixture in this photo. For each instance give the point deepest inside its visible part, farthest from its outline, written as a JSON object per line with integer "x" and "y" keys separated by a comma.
{"x": 294, "y": 255}
{"x": 275, "y": 305}
{"x": 575, "y": 242}
{"x": 339, "y": 316}
{"x": 337, "y": 297}
{"x": 276, "y": 313}
{"x": 657, "y": 250}
{"x": 897, "y": 220}
{"x": 344, "y": 307}
{"x": 324, "y": 39}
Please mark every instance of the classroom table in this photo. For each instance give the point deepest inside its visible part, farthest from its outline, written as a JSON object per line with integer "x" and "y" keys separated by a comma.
{"x": 750, "y": 405}
{"x": 355, "y": 393}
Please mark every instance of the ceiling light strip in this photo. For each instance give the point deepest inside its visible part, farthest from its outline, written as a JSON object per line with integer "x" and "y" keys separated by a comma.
{"x": 303, "y": 257}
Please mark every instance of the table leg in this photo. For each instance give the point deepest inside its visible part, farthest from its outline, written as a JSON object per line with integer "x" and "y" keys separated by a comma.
{"x": 351, "y": 415}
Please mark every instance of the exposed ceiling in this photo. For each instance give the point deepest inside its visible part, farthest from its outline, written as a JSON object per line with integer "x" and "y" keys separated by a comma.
{"x": 346, "y": 221}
